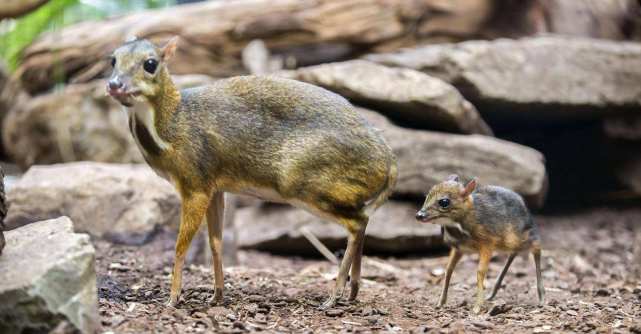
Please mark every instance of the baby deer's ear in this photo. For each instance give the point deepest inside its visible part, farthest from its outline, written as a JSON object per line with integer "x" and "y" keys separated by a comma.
{"x": 469, "y": 188}
{"x": 453, "y": 177}
{"x": 169, "y": 49}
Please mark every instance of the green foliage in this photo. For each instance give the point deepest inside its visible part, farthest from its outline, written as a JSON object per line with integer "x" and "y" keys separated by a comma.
{"x": 26, "y": 29}
{"x": 15, "y": 35}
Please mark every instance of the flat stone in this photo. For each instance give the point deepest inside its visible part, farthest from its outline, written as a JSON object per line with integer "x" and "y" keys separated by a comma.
{"x": 426, "y": 158}
{"x": 277, "y": 228}
{"x": 549, "y": 77}
{"x": 417, "y": 99}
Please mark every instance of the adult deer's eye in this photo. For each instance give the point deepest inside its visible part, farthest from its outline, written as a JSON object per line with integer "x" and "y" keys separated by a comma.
{"x": 113, "y": 61}
{"x": 150, "y": 65}
{"x": 444, "y": 203}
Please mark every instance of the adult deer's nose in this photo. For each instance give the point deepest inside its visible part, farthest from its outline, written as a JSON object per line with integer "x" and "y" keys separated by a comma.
{"x": 114, "y": 84}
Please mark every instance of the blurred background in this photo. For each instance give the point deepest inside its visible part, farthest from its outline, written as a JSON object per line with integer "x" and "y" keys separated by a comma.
{"x": 541, "y": 96}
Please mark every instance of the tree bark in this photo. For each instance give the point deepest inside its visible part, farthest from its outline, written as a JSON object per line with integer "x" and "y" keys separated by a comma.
{"x": 3, "y": 210}
{"x": 214, "y": 34}
{"x": 15, "y": 8}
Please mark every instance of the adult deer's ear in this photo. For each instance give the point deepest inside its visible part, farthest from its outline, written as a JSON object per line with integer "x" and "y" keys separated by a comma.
{"x": 469, "y": 188}
{"x": 169, "y": 49}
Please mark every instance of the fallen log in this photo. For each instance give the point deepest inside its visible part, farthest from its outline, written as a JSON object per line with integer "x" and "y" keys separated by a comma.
{"x": 215, "y": 33}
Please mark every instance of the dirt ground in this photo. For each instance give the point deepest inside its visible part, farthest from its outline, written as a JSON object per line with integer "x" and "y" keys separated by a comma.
{"x": 588, "y": 274}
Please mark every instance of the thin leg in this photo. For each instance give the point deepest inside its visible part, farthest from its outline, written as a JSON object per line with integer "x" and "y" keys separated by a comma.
{"x": 455, "y": 256}
{"x": 355, "y": 278}
{"x": 230, "y": 235}
{"x": 536, "y": 253}
{"x": 215, "y": 228}
{"x": 193, "y": 209}
{"x": 354, "y": 229}
{"x": 485, "y": 255}
{"x": 499, "y": 280}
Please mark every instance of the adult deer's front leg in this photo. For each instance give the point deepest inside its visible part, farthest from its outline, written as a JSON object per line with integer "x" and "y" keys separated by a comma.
{"x": 194, "y": 206}
{"x": 215, "y": 219}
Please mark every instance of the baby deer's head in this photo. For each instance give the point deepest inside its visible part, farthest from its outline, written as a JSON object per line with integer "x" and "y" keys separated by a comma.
{"x": 138, "y": 68}
{"x": 448, "y": 199}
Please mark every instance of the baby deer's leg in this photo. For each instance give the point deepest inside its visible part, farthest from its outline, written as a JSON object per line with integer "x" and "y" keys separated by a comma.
{"x": 215, "y": 229}
{"x": 485, "y": 254}
{"x": 499, "y": 280}
{"x": 356, "y": 233}
{"x": 355, "y": 278}
{"x": 194, "y": 206}
{"x": 455, "y": 256}
{"x": 536, "y": 253}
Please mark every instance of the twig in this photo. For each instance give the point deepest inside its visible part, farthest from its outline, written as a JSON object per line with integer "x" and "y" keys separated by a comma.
{"x": 383, "y": 266}
{"x": 319, "y": 245}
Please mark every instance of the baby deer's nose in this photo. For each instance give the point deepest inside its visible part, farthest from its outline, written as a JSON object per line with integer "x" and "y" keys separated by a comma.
{"x": 114, "y": 84}
{"x": 421, "y": 215}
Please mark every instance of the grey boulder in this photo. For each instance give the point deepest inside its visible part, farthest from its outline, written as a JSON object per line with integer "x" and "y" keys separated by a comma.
{"x": 426, "y": 158}
{"x": 545, "y": 77}
{"x": 416, "y": 99}
{"x": 277, "y": 228}
{"x": 47, "y": 276}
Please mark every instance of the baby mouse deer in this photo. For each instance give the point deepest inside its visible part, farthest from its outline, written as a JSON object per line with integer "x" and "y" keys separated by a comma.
{"x": 278, "y": 139}
{"x": 482, "y": 218}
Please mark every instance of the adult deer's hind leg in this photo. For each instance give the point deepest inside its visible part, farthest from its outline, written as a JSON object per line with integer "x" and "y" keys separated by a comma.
{"x": 194, "y": 206}
{"x": 356, "y": 231}
{"x": 215, "y": 219}
{"x": 355, "y": 278}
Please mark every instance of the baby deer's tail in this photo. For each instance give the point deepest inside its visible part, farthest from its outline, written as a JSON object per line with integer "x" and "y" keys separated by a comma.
{"x": 385, "y": 191}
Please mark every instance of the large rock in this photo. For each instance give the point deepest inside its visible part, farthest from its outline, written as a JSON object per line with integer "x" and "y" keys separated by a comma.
{"x": 392, "y": 229}
{"x": 79, "y": 122}
{"x": 48, "y": 276}
{"x": 546, "y": 77}
{"x": 426, "y": 158}
{"x": 417, "y": 99}
{"x": 122, "y": 203}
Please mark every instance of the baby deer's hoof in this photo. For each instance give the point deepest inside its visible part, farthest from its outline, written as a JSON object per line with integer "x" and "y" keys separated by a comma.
{"x": 477, "y": 309}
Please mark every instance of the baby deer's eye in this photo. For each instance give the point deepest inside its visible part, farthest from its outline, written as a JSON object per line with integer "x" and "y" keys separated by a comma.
{"x": 444, "y": 203}
{"x": 150, "y": 65}
{"x": 113, "y": 61}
